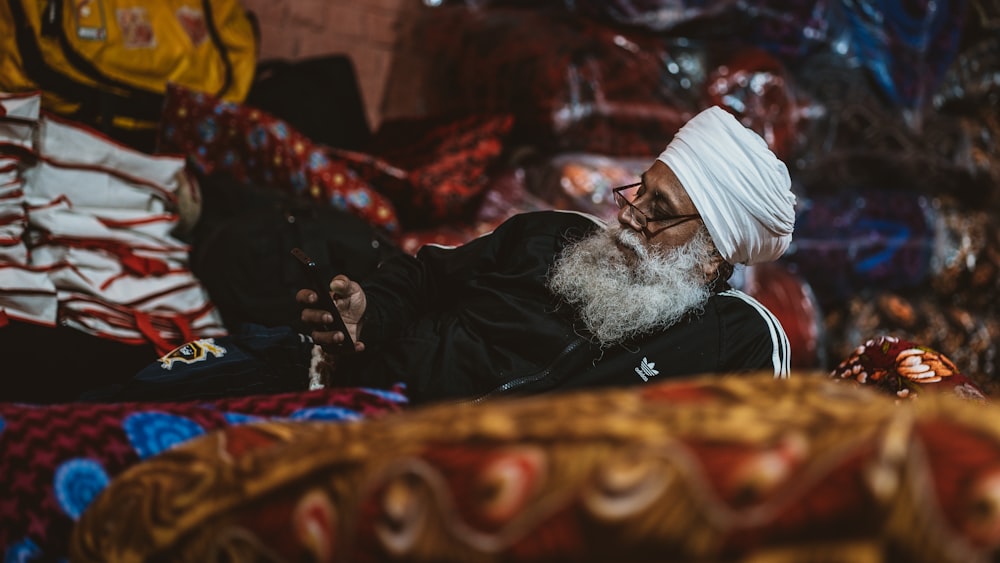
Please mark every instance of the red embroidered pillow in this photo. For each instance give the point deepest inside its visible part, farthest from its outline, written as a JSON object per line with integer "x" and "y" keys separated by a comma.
{"x": 445, "y": 161}
{"x": 903, "y": 369}
{"x": 255, "y": 146}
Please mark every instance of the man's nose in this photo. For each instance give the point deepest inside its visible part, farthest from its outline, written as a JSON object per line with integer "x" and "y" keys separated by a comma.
{"x": 626, "y": 218}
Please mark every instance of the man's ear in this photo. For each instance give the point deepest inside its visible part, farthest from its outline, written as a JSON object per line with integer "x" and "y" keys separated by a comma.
{"x": 712, "y": 267}
{"x": 717, "y": 269}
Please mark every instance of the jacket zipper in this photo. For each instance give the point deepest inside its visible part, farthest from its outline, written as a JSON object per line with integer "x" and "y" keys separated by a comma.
{"x": 521, "y": 381}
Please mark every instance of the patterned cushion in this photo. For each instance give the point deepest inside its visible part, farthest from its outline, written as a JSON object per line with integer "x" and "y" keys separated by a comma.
{"x": 433, "y": 169}
{"x": 904, "y": 369}
{"x": 55, "y": 459}
{"x": 707, "y": 469}
{"x": 969, "y": 336}
{"x": 256, "y": 147}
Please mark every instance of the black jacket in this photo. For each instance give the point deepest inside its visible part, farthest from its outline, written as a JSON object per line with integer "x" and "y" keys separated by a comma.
{"x": 477, "y": 321}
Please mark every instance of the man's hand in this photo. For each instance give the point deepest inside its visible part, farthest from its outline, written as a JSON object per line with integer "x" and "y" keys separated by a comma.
{"x": 351, "y": 302}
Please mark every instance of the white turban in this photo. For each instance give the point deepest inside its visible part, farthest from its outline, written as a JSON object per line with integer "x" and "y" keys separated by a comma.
{"x": 741, "y": 190}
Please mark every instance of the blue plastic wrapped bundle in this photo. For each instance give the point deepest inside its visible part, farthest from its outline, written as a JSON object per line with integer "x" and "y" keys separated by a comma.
{"x": 862, "y": 238}
{"x": 791, "y": 29}
{"x": 906, "y": 45}
{"x": 854, "y": 138}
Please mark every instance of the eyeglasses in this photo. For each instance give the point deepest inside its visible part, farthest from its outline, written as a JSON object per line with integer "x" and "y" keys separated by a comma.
{"x": 642, "y": 219}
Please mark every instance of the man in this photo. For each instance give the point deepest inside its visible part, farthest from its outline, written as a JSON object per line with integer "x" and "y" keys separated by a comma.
{"x": 558, "y": 300}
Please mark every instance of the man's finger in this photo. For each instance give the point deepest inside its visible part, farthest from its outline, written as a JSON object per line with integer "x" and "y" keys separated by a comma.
{"x": 340, "y": 285}
{"x": 331, "y": 341}
{"x": 305, "y": 296}
{"x": 316, "y": 316}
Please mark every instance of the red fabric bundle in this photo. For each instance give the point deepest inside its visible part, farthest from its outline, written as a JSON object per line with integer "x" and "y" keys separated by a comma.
{"x": 904, "y": 369}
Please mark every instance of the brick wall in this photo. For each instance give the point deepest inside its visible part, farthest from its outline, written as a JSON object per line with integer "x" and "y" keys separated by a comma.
{"x": 366, "y": 30}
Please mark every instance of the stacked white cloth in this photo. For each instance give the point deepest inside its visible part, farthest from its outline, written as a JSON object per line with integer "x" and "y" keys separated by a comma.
{"x": 26, "y": 293}
{"x": 98, "y": 254}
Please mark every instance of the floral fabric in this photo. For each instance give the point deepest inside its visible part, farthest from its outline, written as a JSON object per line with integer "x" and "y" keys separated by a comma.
{"x": 253, "y": 145}
{"x": 971, "y": 336}
{"x": 54, "y": 459}
{"x": 709, "y": 469}
{"x": 904, "y": 369}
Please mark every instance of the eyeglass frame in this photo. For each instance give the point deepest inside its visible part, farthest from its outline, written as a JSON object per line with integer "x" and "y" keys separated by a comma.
{"x": 641, "y": 218}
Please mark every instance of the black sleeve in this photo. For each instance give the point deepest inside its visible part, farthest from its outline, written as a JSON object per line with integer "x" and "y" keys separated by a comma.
{"x": 406, "y": 287}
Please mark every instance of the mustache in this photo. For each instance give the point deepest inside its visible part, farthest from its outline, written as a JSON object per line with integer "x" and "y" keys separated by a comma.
{"x": 629, "y": 239}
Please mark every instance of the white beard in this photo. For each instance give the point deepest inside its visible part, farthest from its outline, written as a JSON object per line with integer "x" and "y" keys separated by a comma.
{"x": 618, "y": 299}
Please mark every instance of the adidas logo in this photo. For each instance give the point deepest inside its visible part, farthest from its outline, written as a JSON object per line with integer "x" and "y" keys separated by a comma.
{"x": 646, "y": 369}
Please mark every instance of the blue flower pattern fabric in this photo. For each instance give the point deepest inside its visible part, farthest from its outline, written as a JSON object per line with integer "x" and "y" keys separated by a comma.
{"x": 77, "y": 482}
{"x": 325, "y": 413}
{"x": 56, "y": 460}
{"x": 153, "y": 432}
{"x": 22, "y": 552}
